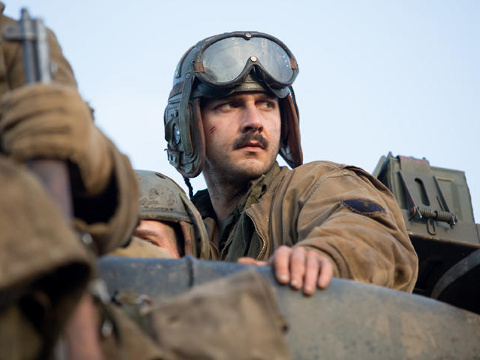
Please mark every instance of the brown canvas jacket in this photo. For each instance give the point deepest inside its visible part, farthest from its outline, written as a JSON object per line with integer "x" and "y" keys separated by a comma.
{"x": 341, "y": 211}
{"x": 44, "y": 268}
{"x": 111, "y": 217}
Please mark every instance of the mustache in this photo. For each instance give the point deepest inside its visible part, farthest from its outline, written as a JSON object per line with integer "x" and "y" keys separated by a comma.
{"x": 246, "y": 138}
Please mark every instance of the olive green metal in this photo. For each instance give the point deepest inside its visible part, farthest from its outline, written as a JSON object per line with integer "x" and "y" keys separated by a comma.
{"x": 460, "y": 285}
{"x": 436, "y": 206}
{"x": 348, "y": 320}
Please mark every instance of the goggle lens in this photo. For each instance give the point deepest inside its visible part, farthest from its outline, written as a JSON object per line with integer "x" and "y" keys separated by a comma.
{"x": 226, "y": 60}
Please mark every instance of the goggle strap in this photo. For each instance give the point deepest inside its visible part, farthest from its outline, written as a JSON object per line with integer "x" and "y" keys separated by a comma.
{"x": 184, "y": 111}
{"x": 294, "y": 155}
{"x": 198, "y": 67}
{"x": 177, "y": 89}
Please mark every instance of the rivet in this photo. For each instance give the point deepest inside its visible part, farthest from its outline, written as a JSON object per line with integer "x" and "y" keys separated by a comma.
{"x": 87, "y": 239}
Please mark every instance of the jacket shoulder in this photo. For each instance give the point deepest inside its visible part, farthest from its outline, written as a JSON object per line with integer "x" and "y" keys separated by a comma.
{"x": 314, "y": 172}
{"x": 317, "y": 168}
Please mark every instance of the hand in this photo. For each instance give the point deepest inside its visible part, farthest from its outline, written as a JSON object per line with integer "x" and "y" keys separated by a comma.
{"x": 299, "y": 267}
{"x": 51, "y": 121}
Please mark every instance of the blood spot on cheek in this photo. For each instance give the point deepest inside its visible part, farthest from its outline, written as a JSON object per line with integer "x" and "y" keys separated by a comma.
{"x": 212, "y": 129}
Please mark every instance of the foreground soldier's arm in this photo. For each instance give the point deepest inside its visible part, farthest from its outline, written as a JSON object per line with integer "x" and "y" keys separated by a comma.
{"x": 53, "y": 122}
{"x": 39, "y": 254}
{"x": 105, "y": 199}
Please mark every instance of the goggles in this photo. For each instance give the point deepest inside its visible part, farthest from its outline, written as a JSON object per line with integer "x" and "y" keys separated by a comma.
{"x": 226, "y": 60}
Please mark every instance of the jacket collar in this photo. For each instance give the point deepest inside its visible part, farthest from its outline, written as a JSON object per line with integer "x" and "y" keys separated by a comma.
{"x": 256, "y": 189}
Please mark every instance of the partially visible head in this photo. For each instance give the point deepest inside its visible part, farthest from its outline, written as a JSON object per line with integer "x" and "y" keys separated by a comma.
{"x": 163, "y": 234}
{"x": 167, "y": 217}
{"x": 219, "y": 67}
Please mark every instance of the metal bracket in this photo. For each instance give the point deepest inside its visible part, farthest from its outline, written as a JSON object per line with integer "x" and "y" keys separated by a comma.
{"x": 424, "y": 197}
{"x": 34, "y": 38}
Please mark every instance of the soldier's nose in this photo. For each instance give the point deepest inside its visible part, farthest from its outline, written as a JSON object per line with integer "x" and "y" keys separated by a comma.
{"x": 252, "y": 121}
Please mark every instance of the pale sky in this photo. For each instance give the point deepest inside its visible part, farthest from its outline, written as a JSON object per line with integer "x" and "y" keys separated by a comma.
{"x": 375, "y": 76}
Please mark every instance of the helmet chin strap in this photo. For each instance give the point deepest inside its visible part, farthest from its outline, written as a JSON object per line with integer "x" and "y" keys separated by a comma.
{"x": 189, "y": 185}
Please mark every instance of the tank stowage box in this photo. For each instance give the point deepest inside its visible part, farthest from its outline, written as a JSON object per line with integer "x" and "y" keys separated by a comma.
{"x": 436, "y": 206}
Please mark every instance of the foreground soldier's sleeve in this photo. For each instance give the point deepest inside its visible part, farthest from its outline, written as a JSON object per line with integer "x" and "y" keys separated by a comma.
{"x": 39, "y": 255}
{"x": 110, "y": 213}
{"x": 51, "y": 121}
{"x": 350, "y": 217}
{"x": 112, "y": 225}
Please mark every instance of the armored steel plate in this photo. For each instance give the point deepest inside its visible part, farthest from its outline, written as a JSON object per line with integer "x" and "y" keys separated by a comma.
{"x": 349, "y": 320}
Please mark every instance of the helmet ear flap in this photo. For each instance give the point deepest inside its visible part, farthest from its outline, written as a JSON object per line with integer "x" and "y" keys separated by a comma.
{"x": 199, "y": 138}
{"x": 197, "y": 141}
{"x": 186, "y": 141}
{"x": 290, "y": 145}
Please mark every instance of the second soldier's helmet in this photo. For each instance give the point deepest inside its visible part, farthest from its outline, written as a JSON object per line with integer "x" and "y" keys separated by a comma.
{"x": 162, "y": 199}
{"x": 217, "y": 67}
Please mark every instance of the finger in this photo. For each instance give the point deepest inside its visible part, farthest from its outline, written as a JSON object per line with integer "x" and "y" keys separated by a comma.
{"x": 250, "y": 261}
{"x": 326, "y": 273}
{"x": 297, "y": 267}
{"x": 312, "y": 268}
{"x": 281, "y": 262}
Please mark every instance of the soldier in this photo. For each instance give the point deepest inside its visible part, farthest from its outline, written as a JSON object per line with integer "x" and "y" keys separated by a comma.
{"x": 231, "y": 110}
{"x": 52, "y": 121}
{"x": 170, "y": 225}
{"x": 44, "y": 122}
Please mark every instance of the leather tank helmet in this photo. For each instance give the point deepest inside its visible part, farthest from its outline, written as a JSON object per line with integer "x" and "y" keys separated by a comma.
{"x": 218, "y": 67}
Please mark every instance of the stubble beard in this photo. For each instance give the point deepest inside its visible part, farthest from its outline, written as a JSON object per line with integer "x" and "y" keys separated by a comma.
{"x": 223, "y": 170}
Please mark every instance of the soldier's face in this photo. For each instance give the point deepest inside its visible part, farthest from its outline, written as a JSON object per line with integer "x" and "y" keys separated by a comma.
{"x": 160, "y": 234}
{"x": 242, "y": 135}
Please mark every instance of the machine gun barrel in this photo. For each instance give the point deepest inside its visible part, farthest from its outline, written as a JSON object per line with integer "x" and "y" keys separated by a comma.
{"x": 34, "y": 38}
